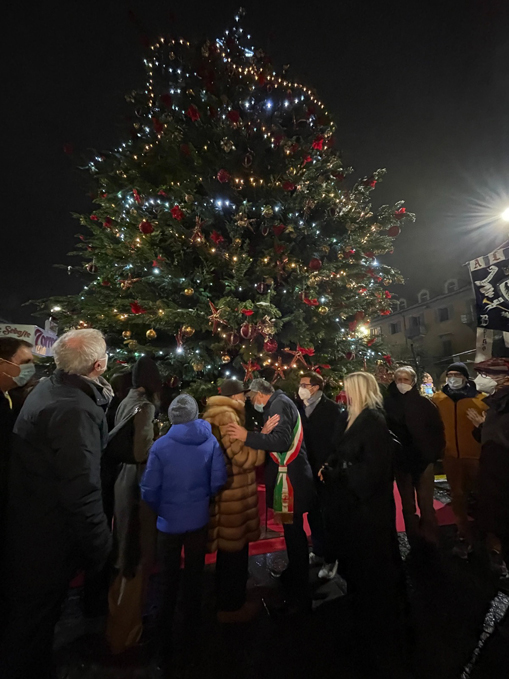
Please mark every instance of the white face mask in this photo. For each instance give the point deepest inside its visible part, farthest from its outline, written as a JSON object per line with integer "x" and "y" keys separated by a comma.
{"x": 304, "y": 393}
{"x": 485, "y": 384}
{"x": 456, "y": 382}
{"x": 404, "y": 388}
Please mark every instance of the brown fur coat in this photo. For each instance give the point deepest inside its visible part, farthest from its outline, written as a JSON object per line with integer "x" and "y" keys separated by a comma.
{"x": 235, "y": 519}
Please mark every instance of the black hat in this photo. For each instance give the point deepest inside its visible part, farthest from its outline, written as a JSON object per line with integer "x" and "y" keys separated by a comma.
{"x": 146, "y": 375}
{"x": 231, "y": 387}
{"x": 459, "y": 368}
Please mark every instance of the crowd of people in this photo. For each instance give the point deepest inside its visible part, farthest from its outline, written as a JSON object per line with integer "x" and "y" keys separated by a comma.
{"x": 90, "y": 483}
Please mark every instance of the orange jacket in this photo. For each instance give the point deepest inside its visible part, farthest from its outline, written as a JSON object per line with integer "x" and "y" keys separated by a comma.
{"x": 459, "y": 441}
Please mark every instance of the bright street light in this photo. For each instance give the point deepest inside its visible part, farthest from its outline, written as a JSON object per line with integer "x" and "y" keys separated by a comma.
{"x": 505, "y": 215}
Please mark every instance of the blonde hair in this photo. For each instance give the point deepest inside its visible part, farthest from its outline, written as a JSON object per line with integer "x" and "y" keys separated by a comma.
{"x": 408, "y": 370}
{"x": 362, "y": 391}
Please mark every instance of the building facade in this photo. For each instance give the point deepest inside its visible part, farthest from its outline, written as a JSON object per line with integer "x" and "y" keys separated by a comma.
{"x": 433, "y": 329}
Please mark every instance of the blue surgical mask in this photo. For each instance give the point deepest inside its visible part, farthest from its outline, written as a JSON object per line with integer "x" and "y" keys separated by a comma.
{"x": 259, "y": 407}
{"x": 27, "y": 370}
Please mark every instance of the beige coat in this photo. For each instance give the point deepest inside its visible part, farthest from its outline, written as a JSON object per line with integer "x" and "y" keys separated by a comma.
{"x": 235, "y": 519}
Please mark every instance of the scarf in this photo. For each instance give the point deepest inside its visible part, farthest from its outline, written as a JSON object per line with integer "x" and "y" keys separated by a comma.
{"x": 283, "y": 491}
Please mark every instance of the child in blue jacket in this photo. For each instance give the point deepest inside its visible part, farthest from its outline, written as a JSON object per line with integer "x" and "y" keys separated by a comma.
{"x": 185, "y": 468}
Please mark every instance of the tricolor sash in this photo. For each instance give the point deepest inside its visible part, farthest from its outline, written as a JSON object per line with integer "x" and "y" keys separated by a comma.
{"x": 283, "y": 492}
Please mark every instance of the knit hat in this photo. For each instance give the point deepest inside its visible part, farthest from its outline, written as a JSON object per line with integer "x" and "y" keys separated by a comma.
{"x": 231, "y": 387}
{"x": 458, "y": 368}
{"x": 183, "y": 409}
{"x": 494, "y": 366}
{"x": 146, "y": 375}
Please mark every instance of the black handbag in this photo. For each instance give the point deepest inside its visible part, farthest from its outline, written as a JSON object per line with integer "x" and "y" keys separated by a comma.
{"x": 120, "y": 446}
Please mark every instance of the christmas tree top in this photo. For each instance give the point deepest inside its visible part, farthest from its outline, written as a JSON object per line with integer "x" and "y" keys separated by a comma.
{"x": 227, "y": 235}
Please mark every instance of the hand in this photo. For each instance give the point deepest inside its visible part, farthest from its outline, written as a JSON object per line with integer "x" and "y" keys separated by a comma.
{"x": 235, "y": 431}
{"x": 271, "y": 424}
{"x": 476, "y": 418}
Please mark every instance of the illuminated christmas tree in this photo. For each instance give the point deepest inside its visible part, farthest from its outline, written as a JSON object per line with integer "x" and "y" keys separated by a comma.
{"x": 227, "y": 234}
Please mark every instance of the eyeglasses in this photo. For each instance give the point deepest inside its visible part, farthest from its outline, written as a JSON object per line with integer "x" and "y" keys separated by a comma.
{"x": 306, "y": 384}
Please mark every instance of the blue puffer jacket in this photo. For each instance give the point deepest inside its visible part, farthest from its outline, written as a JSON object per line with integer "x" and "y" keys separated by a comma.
{"x": 185, "y": 467}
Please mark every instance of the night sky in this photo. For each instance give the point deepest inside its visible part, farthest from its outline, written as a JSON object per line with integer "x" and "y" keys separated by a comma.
{"x": 420, "y": 88}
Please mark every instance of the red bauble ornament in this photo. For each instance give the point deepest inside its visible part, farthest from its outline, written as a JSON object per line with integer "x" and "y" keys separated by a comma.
{"x": 248, "y": 331}
{"x": 146, "y": 227}
{"x": 278, "y": 230}
{"x": 315, "y": 264}
{"x": 91, "y": 267}
{"x": 157, "y": 125}
{"x": 289, "y": 186}
{"x": 166, "y": 100}
{"x": 394, "y": 231}
{"x": 349, "y": 356}
{"x": 173, "y": 382}
{"x": 193, "y": 113}
{"x": 177, "y": 213}
{"x": 234, "y": 116}
{"x": 261, "y": 288}
{"x": 94, "y": 218}
{"x": 107, "y": 222}
{"x": 270, "y": 346}
{"x": 387, "y": 295}
{"x": 105, "y": 283}
{"x": 223, "y": 176}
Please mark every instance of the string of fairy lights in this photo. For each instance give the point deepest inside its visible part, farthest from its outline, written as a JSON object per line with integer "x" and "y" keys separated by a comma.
{"x": 131, "y": 210}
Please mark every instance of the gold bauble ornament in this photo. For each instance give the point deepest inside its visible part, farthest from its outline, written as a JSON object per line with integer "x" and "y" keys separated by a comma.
{"x": 189, "y": 198}
{"x": 188, "y": 330}
{"x": 198, "y": 366}
{"x": 126, "y": 334}
{"x": 151, "y": 334}
{"x": 267, "y": 211}
{"x": 132, "y": 344}
{"x": 225, "y": 357}
{"x": 323, "y": 310}
{"x": 188, "y": 292}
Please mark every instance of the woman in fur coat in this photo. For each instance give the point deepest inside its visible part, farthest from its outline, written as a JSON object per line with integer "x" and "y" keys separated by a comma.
{"x": 235, "y": 520}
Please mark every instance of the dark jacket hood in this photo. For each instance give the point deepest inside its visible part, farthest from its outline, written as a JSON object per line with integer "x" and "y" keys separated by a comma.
{"x": 191, "y": 433}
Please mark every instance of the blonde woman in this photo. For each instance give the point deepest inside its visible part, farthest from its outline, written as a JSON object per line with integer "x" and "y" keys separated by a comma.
{"x": 362, "y": 517}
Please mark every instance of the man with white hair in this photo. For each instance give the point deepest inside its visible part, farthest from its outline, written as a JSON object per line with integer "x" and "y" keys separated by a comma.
{"x": 417, "y": 423}
{"x": 55, "y": 519}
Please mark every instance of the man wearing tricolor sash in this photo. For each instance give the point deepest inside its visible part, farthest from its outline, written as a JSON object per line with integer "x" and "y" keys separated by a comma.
{"x": 288, "y": 480}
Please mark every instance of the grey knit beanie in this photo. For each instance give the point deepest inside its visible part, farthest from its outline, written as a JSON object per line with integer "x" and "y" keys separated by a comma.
{"x": 183, "y": 409}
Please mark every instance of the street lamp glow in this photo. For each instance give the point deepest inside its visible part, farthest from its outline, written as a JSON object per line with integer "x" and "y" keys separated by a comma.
{"x": 505, "y": 215}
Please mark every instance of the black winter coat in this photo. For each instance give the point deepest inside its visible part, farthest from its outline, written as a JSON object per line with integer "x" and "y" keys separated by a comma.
{"x": 416, "y": 421}
{"x": 279, "y": 441}
{"x": 361, "y": 509}
{"x": 55, "y": 514}
{"x": 321, "y": 431}
{"x": 6, "y": 425}
{"x": 493, "y": 476}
